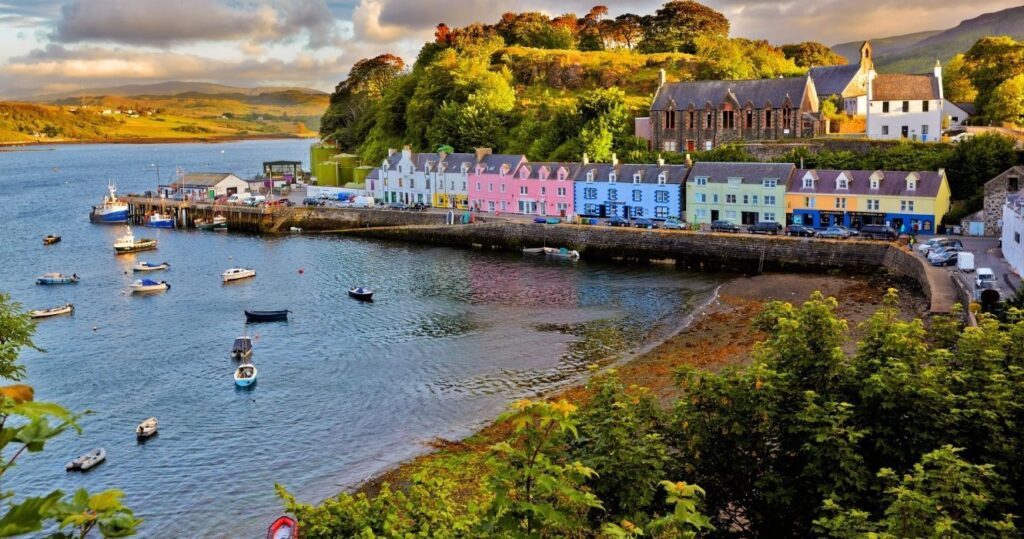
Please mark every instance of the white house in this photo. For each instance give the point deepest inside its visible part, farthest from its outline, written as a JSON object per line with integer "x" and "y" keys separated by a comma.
{"x": 433, "y": 179}
{"x": 201, "y": 184}
{"x": 956, "y": 113}
{"x": 1013, "y": 233}
{"x": 905, "y": 106}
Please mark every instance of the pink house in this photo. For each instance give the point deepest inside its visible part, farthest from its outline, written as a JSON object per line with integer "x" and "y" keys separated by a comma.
{"x": 491, "y": 182}
{"x": 545, "y": 188}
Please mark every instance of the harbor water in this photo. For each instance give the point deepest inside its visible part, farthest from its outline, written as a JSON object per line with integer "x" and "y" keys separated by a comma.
{"x": 345, "y": 389}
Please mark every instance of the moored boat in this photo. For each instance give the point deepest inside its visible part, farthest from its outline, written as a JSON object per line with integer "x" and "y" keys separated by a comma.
{"x": 235, "y": 274}
{"x": 57, "y": 278}
{"x": 245, "y": 375}
{"x": 533, "y": 251}
{"x": 145, "y": 286}
{"x": 146, "y": 266}
{"x": 128, "y": 243}
{"x": 266, "y": 316}
{"x": 111, "y": 210}
{"x": 218, "y": 223}
{"x": 146, "y": 429}
{"x": 242, "y": 348}
{"x": 160, "y": 220}
{"x": 53, "y": 311}
{"x": 283, "y": 528}
{"x": 361, "y": 293}
{"x": 562, "y": 253}
{"x": 87, "y": 461}
{"x": 51, "y": 239}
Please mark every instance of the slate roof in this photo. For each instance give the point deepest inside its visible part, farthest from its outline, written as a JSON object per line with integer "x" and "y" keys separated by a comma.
{"x": 758, "y": 92}
{"x": 373, "y": 174}
{"x": 571, "y": 170}
{"x": 453, "y": 162}
{"x": 894, "y": 183}
{"x": 833, "y": 80}
{"x": 676, "y": 174}
{"x": 751, "y": 173}
{"x": 208, "y": 179}
{"x": 492, "y": 162}
{"x": 969, "y": 108}
{"x": 900, "y": 87}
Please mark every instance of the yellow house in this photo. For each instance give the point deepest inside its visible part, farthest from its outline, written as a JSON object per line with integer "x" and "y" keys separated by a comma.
{"x": 906, "y": 201}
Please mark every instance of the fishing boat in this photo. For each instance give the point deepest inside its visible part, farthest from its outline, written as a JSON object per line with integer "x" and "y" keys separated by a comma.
{"x": 266, "y": 316}
{"x": 218, "y": 223}
{"x": 361, "y": 293}
{"x": 241, "y": 349}
{"x": 245, "y": 375}
{"x": 87, "y": 461}
{"x": 562, "y": 253}
{"x": 128, "y": 243}
{"x": 111, "y": 210}
{"x": 283, "y": 528}
{"x": 146, "y": 266}
{"x": 56, "y": 278}
{"x": 235, "y": 274}
{"x": 160, "y": 220}
{"x": 533, "y": 251}
{"x": 146, "y": 429}
{"x": 146, "y": 286}
{"x": 53, "y": 311}
{"x": 51, "y": 239}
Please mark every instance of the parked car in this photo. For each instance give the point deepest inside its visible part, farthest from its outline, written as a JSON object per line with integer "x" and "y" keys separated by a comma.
{"x": 878, "y": 232}
{"x": 419, "y": 206}
{"x": 834, "y": 232}
{"x": 616, "y": 221}
{"x": 926, "y": 246}
{"x": 310, "y": 201}
{"x": 851, "y": 232}
{"x": 644, "y": 222}
{"x": 947, "y": 245}
{"x": 765, "y": 227}
{"x": 673, "y": 224}
{"x": 280, "y": 202}
{"x": 946, "y": 258}
{"x": 397, "y": 206}
{"x": 801, "y": 230}
{"x": 724, "y": 226}
{"x": 986, "y": 285}
{"x": 942, "y": 252}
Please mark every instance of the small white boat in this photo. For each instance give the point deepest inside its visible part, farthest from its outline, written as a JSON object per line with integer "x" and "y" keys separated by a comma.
{"x": 57, "y": 278}
{"x": 145, "y": 286}
{"x": 146, "y": 429}
{"x": 87, "y": 461}
{"x": 562, "y": 253}
{"x": 533, "y": 251}
{"x": 295, "y": 230}
{"x": 245, "y": 375}
{"x": 128, "y": 243}
{"x": 146, "y": 266}
{"x": 53, "y": 311}
{"x": 235, "y": 274}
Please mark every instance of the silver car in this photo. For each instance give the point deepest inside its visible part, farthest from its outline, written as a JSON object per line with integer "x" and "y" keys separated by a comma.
{"x": 834, "y": 232}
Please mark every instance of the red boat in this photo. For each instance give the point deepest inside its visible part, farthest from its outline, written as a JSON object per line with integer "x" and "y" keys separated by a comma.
{"x": 283, "y": 528}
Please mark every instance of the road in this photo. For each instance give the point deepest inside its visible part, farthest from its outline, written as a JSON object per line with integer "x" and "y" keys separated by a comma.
{"x": 988, "y": 255}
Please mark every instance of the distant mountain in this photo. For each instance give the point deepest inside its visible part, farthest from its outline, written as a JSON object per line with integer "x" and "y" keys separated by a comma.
{"x": 917, "y": 53}
{"x": 171, "y": 88}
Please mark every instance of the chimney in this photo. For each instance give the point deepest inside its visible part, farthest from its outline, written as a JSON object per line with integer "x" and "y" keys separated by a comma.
{"x": 407, "y": 152}
{"x": 661, "y": 162}
{"x": 615, "y": 160}
{"x": 938, "y": 77}
{"x": 689, "y": 161}
{"x": 481, "y": 153}
{"x": 661, "y": 78}
{"x": 801, "y": 163}
{"x": 392, "y": 151}
{"x": 942, "y": 172}
{"x": 586, "y": 159}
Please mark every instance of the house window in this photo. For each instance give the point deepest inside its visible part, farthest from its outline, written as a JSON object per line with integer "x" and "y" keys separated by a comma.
{"x": 874, "y": 183}
{"x": 611, "y": 177}
{"x": 523, "y": 190}
{"x": 840, "y": 203}
{"x": 809, "y": 202}
{"x": 670, "y": 145}
{"x": 728, "y": 119}
{"x": 561, "y": 191}
{"x": 906, "y": 205}
{"x": 636, "y": 178}
{"x": 1016, "y": 237}
{"x": 842, "y": 183}
{"x": 613, "y": 194}
{"x": 924, "y": 129}
{"x": 709, "y": 121}
{"x": 714, "y": 198}
{"x": 769, "y": 200}
{"x": 906, "y": 106}
{"x": 885, "y": 130}
{"x": 873, "y": 204}
{"x": 502, "y": 188}
{"x": 490, "y": 188}
{"x": 924, "y": 106}
{"x": 911, "y": 185}
{"x": 885, "y": 106}
{"x": 955, "y": 119}
{"x": 638, "y": 195}
{"x": 701, "y": 214}
{"x": 808, "y": 183}
{"x": 661, "y": 197}
{"x": 730, "y": 199}
{"x": 730, "y": 215}
{"x": 693, "y": 119}
{"x": 543, "y": 191}
{"x": 787, "y": 118}
{"x": 661, "y": 212}
{"x": 590, "y": 175}
{"x": 1012, "y": 184}
{"x": 701, "y": 181}
{"x": 590, "y": 193}
{"x": 750, "y": 119}
{"x": 746, "y": 199}
{"x": 768, "y": 118}
{"x": 636, "y": 211}
{"x": 769, "y": 183}
{"x": 412, "y": 183}
{"x": 662, "y": 178}
{"x": 590, "y": 209}
{"x": 769, "y": 216}
{"x": 670, "y": 119}
{"x": 700, "y": 197}
{"x": 753, "y": 200}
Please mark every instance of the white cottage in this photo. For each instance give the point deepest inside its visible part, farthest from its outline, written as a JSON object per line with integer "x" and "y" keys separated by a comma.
{"x": 1013, "y": 233}
{"x": 201, "y": 184}
{"x": 905, "y": 106}
{"x": 403, "y": 177}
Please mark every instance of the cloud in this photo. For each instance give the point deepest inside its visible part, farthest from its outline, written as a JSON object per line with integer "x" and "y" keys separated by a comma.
{"x": 167, "y": 22}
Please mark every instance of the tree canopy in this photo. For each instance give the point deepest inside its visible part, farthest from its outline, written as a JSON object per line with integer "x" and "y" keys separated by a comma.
{"x": 677, "y": 26}
{"x": 812, "y": 54}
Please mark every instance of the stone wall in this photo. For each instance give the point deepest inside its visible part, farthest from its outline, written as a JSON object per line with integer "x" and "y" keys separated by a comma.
{"x": 321, "y": 219}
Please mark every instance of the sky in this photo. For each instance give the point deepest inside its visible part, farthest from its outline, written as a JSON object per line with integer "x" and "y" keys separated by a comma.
{"x": 49, "y": 46}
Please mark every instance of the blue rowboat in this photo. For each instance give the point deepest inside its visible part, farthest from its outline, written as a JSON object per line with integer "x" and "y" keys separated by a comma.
{"x": 245, "y": 375}
{"x": 56, "y": 278}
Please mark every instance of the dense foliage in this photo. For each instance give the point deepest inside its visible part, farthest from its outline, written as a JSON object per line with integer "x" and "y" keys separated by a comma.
{"x": 25, "y": 427}
{"x": 991, "y": 74}
{"x": 914, "y": 433}
{"x": 812, "y": 54}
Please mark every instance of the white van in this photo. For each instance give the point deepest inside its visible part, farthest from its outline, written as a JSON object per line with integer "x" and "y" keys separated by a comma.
{"x": 254, "y": 200}
{"x": 234, "y": 199}
{"x": 362, "y": 202}
{"x": 965, "y": 261}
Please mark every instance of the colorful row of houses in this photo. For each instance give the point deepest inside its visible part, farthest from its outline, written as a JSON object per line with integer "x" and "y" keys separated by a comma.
{"x": 743, "y": 193}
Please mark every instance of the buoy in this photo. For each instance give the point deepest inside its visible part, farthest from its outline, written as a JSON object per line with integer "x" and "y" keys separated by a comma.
{"x": 94, "y": 328}
{"x": 301, "y": 271}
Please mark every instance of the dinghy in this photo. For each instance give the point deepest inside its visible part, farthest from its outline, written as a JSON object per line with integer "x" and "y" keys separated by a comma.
{"x": 533, "y": 251}
{"x": 53, "y": 311}
{"x": 234, "y": 274}
{"x": 562, "y": 253}
{"x": 146, "y": 266}
{"x": 51, "y": 239}
{"x": 283, "y": 528}
{"x": 266, "y": 316}
{"x": 217, "y": 223}
{"x": 146, "y": 429}
{"x": 145, "y": 286}
{"x": 245, "y": 375}
{"x": 241, "y": 349}
{"x": 57, "y": 278}
{"x": 87, "y": 461}
{"x": 361, "y": 293}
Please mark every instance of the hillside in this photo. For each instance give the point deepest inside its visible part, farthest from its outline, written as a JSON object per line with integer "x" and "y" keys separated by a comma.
{"x": 851, "y": 49}
{"x": 168, "y": 88}
{"x": 916, "y": 53}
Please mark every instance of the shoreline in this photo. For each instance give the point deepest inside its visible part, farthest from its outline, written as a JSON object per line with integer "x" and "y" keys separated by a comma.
{"x": 26, "y": 145}
{"x": 715, "y": 334}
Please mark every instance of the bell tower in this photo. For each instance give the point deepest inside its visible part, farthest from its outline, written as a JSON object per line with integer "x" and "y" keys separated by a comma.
{"x": 866, "y": 62}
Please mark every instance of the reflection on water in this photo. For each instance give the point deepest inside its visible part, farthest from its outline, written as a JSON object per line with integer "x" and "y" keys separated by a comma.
{"x": 345, "y": 388}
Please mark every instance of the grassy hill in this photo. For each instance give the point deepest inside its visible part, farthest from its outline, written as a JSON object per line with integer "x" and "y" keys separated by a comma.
{"x": 917, "y": 53}
{"x": 168, "y": 88}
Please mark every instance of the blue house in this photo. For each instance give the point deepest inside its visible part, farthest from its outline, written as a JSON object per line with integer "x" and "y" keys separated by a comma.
{"x": 629, "y": 191}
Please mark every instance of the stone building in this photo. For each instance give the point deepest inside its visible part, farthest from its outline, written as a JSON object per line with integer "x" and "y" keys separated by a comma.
{"x": 700, "y": 115}
{"x": 848, "y": 82}
{"x": 996, "y": 192}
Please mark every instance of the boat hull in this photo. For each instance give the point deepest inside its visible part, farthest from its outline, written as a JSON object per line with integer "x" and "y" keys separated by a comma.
{"x": 141, "y": 245}
{"x": 57, "y": 311}
{"x": 266, "y": 316}
{"x": 283, "y": 528}
{"x": 160, "y": 223}
{"x": 157, "y": 267}
{"x": 50, "y": 240}
{"x": 109, "y": 217}
{"x": 361, "y": 296}
{"x": 229, "y": 277}
{"x": 55, "y": 281}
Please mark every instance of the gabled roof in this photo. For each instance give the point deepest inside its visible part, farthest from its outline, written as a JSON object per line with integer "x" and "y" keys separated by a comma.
{"x": 571, "y": 170}
{"x": 750, "y": 173}
{"x": 833, "y": 80}
{"x": 454, "y": 161}
{"x": 492, "y": 163}
{"x": 758, "y": 92}
{"x": 900, "y": 87}
{"x": 894, "y": 183}
{"x": 674, "y": 174}
{"x": 969, "y": 108}
{"x": 203, "y": 178}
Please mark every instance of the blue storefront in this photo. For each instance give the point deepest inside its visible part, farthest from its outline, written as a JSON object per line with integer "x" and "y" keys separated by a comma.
{"x": 901, "y": 222}
{"x": 629, "y": 191}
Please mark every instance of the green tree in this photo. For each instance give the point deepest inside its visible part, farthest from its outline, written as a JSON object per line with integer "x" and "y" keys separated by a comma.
{"x": 355, "y": 98}
{"x": 956, "y": 83}
{"x": 1007, "y": 101}
{"x": 677, "y": 25}
{"x": 975, "y": 161}
{"x": 812, "y": 54}
{"x": 991, "y": 61}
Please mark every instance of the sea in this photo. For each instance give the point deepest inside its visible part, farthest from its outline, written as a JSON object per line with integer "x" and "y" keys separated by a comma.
{"x": 345, "y": 389}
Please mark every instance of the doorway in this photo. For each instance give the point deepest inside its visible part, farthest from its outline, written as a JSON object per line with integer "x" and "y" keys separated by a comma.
{"x": 749, "y": 217}
{"x": 904, "y": 131}
{"x": 714, "y": 215}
